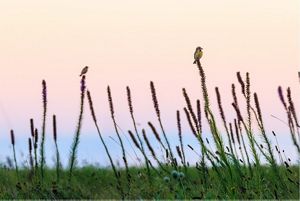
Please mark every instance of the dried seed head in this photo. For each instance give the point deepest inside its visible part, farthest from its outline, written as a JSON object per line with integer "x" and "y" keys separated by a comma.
{"x": 281, "y": 97}
{"x": 238, "y": 74}
{"x": 111, "y": 106}
{"x": 54, "y": 129}
{"x": 204, "y": 88}
{"x": 148, "y": 144}
{"x": 129, "y": 100}
{"x": 12, "y": 137}
{"x": 44, "y": 92}
{"x": 190, "y": 108}
{"x": 221, "y": 108}
{"x": 238, "y": 112}
{"x": 178, "y": 125}
{"x": 29, "y": 145}
{"x": 234, "y": 94}
{"x": 134, "y": 139}
{"x": 257, "y": 107}
{"x": 248, "y": 97}
{"x": 190, "y": 121}
{"x": 154, "y": 99}
{"x": 179, "y": 152}
{"x": 32, "y": 128}
{"x": 154, "y": 132}
{"x": 91, "y": 105}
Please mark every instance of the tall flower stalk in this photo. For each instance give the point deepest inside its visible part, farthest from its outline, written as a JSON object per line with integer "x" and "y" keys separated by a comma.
{"x": 139, "y": 143}
{"x": 111, "y": 106}
{"x": 42, "y": 146}
{"x": 35, "y": 146}
{"x": 56, "y": 148}
{"x": 12, "y": 137}
{"x": 117, "y": 175}
{"x": 157, "y": 110}
{"x": 211, "y": 119}
{"x": 72, "y": 159}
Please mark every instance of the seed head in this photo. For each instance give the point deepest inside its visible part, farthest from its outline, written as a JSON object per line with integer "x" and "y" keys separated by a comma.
{"x": 32, "y": 128}
{"x": 154, "y": 99}
{"x": 281, "y": 97}
{"x": 29, "y": 145}
{"x": 134, "y": 139}
{"x": 239, "y": 77}
{"x": 12, "y": 137}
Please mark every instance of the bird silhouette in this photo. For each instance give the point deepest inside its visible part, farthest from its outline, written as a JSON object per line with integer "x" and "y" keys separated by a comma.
{"x": 84, "y": 70}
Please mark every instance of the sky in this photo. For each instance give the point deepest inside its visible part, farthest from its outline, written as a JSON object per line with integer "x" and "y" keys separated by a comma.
{"x": 130, "y": 43}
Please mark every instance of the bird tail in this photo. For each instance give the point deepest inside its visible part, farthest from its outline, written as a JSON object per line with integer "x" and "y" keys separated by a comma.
{"x": 195, "y": 61}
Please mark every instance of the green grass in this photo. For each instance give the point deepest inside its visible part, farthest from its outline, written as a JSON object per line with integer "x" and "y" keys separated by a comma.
{"x": 95, "y": 183}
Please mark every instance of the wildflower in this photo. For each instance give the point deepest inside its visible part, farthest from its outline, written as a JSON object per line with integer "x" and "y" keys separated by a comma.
{"x": 174, "y": 174}
{"x": 181, "y": 175}
{"x": 166, "y": 179}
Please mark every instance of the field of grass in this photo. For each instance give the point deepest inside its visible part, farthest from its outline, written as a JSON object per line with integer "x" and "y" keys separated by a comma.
{"x": 95, "y": 183}
{"x": 241, "y": 163}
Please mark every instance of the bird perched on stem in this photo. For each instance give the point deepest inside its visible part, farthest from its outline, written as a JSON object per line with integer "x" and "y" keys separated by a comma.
{"x": 84, "y": 70}
{"x": 198, "y": 54}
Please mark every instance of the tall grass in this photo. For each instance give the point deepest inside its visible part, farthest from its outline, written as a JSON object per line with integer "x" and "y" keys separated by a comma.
{"x": 56, "y": 148}
{"x": 12, "y": 137}
{"x": 111, "y": 106}
{"x": 117, "y": 175}
{"x": 72, "y": 159}
{"x": 157, "y": 110}
{"x": 35, "y": 146}
{"x": 42, "y": 146}
{"x": 138, "y": 143}
{"x": 30, "y": 155}
{"x": 239, "y": 164}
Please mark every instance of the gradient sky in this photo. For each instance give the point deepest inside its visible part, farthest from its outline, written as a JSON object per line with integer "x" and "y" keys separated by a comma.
{"x": 133, "y": 42}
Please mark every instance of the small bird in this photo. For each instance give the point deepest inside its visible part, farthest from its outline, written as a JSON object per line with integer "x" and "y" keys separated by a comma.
{"x": 198, "y": 54}
{"x": 84, "y": 71}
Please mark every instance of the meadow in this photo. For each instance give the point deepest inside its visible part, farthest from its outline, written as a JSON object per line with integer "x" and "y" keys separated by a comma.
{"x": 241, "y": 162}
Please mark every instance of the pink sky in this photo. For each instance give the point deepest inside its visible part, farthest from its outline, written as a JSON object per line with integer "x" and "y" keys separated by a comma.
{"x": 133, "y": 42}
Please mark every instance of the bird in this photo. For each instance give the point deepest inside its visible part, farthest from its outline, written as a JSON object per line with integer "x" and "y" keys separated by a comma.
{"x": 84, "y": 71}
{"x": 198, "y": 54}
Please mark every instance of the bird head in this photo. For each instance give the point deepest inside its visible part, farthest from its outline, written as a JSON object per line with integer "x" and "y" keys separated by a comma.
{"x": 199, "y": 48}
